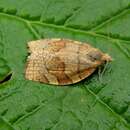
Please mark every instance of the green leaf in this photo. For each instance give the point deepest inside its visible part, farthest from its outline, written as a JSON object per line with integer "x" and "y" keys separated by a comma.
{"x": 100, "y": 102}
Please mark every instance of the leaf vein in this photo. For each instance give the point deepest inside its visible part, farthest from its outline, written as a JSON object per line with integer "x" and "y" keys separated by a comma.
{"x": 115, "y": 16}
{"x": 63, "y": 28}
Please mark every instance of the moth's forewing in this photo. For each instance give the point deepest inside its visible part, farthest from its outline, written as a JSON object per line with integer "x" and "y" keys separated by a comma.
{"x": 61, "y": 61}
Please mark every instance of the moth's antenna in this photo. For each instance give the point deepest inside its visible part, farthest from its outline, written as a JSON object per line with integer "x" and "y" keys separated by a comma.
{"x": 105, "y": 67}
{"x": 99, "y": 73}
{"x": 103, "y": 71}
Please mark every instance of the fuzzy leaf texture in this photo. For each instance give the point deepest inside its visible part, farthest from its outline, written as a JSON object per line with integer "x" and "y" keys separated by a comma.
{"x": 100, "y": 102}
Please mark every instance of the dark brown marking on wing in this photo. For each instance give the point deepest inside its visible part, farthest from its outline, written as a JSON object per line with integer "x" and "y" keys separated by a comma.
{"x": 44, "y": 79}
{"x": 61, "y": 77}
{"x": 59, "y": 72}
{"x": 55, "y": 64}
{"x": 55, "y": 46}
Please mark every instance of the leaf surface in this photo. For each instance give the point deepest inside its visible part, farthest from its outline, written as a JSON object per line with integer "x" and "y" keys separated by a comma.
{"x": 100, "y": 102}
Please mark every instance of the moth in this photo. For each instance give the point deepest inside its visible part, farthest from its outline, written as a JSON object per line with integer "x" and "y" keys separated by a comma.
{"x": 62, "y": 61}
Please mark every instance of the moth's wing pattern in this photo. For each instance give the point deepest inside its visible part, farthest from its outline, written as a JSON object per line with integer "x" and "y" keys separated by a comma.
{"x": 61, "y": 61}
{"x": 69, "y": 64}
{"x": 39, "y": 45}
{"x": 43, "y": 65}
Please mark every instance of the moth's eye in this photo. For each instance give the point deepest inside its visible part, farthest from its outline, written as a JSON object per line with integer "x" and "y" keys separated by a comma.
{"x": 94, "y": 55}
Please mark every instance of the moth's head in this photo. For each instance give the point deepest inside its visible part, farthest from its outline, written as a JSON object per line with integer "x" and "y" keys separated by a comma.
{"x": 106, "y": 57}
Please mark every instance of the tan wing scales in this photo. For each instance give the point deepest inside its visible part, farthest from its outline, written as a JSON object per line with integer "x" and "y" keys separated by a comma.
{"x": 62, "y": 61}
